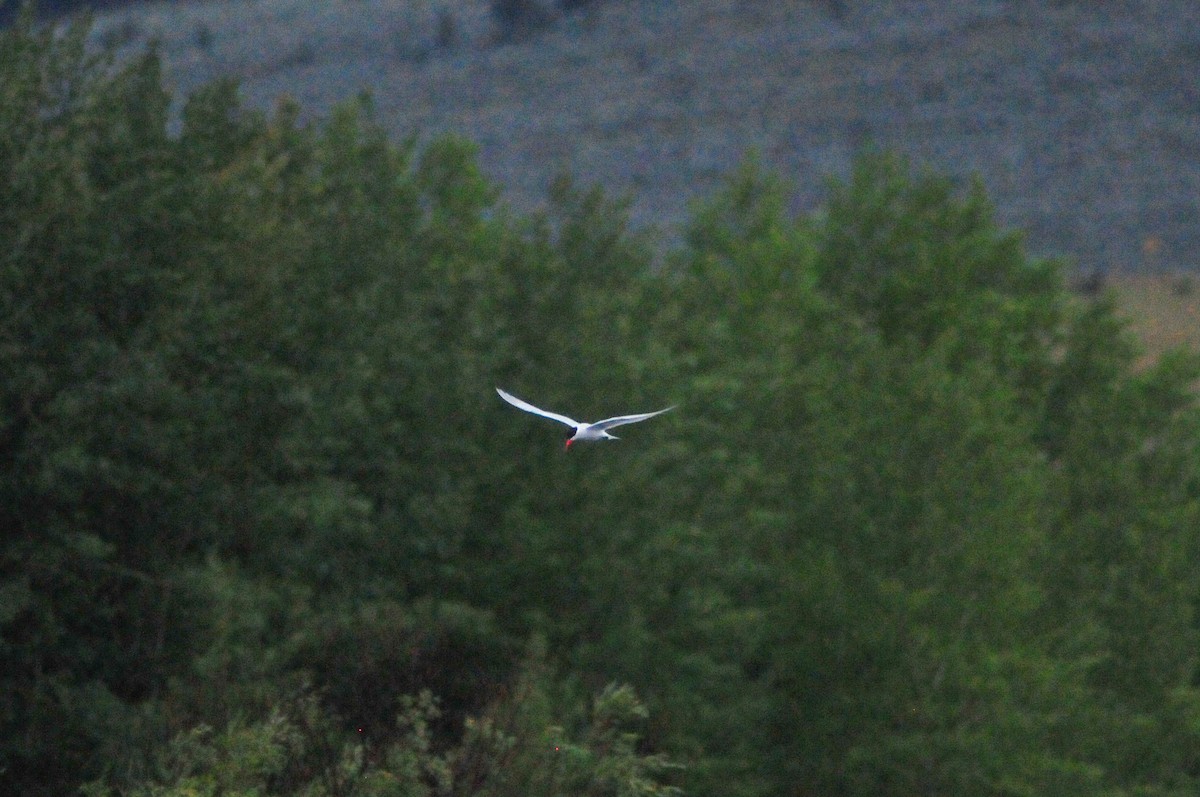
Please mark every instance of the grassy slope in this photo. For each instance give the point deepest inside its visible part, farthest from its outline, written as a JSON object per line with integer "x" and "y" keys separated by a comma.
{"x": 1163, "y": 310}
{"x": 1079, "y": 117}
{"x": 660, "y": 99}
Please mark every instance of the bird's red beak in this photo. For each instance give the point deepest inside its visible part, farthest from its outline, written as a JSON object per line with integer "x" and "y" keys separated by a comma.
{"x": 567, "y": 447}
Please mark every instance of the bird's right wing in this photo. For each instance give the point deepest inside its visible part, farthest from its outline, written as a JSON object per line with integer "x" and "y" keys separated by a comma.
{"x": 525, "y": 405}
{"x": 621, "y": 420}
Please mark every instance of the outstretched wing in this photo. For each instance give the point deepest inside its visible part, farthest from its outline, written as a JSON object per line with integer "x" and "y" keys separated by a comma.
{"x": 525, "y": 405}
{"x": 621, "y": 420}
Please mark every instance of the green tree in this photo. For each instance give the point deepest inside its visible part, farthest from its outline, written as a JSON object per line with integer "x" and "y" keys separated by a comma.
{"x": 97, "y": 474}
{"x": 920, "y": 525}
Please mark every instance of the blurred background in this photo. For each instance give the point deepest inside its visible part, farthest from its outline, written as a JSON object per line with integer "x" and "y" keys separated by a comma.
{"x": 1081, "y": 118}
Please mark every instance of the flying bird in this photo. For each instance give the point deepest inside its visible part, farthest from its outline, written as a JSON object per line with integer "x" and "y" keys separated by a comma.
{"x": 583, "y": 431}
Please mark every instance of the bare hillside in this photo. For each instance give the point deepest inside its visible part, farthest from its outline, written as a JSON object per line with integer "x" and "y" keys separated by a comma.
{"x": 1083, "y": 118}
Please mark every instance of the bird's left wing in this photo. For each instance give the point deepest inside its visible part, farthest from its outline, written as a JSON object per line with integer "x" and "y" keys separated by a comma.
{"x": 525, "y": 405}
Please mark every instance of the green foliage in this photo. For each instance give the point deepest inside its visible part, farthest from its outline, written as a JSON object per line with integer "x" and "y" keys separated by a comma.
{"x": 919, "y": 525}
{"x": 515, "y": 748}
{"x": 928, "y": 270}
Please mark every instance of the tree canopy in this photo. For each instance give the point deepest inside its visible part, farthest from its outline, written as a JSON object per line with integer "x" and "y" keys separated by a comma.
{"x": 920, "y": 525}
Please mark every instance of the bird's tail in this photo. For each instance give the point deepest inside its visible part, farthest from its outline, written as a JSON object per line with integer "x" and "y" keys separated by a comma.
{"x": 612, "y": 436}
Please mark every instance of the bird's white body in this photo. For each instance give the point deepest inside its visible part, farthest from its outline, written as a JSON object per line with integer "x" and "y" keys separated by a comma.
{"x": 583, "y": 431}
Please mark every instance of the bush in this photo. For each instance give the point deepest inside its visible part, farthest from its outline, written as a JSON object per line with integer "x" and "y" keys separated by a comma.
{"x": 519, "y": 18}
{"x": 515, "y": 748}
